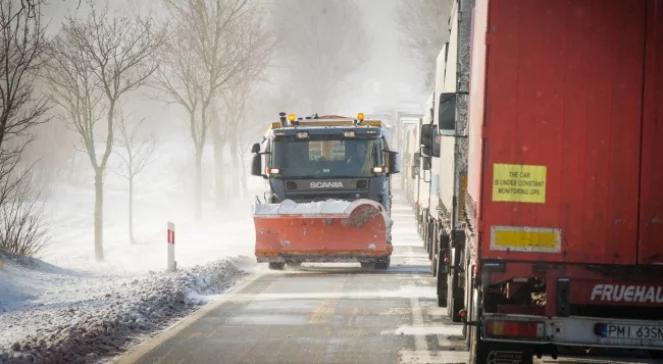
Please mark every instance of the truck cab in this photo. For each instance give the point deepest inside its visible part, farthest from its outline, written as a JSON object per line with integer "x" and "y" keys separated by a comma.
{"x": 329, "y": 157}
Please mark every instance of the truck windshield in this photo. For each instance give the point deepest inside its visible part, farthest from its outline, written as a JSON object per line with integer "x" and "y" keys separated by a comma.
{"x": 327, "y": 158}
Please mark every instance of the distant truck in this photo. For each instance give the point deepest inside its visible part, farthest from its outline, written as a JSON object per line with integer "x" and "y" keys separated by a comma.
{"x": 544, "y": 211}
{"x": 329, "y": 191}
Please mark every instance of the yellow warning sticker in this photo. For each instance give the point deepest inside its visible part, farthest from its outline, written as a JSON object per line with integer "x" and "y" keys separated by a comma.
{"x": 526, "y": 239}
{"x": 519, "y": 183}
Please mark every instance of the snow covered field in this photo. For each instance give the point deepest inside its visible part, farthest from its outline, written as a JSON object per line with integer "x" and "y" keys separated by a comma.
{"x": 83, "y": 317}
{"x": 65, "y": 307}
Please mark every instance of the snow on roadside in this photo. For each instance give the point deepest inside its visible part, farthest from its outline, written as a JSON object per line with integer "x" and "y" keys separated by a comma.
{"x": 58, "y": 315}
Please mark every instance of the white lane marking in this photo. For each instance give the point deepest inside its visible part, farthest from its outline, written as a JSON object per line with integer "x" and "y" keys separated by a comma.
{"x": 414, "y": 330}
{"x": 420, "y": 344}
{"x": 403, "y": 292}
{"x": 444, "y": 357}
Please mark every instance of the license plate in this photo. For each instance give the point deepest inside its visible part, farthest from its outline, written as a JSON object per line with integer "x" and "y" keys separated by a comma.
{"x": 637, "y": 332}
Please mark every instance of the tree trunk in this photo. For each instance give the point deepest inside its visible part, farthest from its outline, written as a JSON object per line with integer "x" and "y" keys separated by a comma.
{"x": 239, "y": 182}
{"x": 99, "y": 215}
{"x": 234, "y": 183}
{"x": 218, "y": 171}
{"x": 131, "y": 210}
{"x": 198, "y": 185}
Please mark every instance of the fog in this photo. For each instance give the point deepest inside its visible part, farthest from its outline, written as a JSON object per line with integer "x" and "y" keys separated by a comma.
{"x": 306, "y": 57}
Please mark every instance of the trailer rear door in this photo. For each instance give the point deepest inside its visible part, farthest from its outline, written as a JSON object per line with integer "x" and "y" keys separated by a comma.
{"x": 563, "y": 124}
{"x": 651, "y": 183}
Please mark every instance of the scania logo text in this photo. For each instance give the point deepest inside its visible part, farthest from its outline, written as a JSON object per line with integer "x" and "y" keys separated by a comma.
{"x": 326, "y": 184}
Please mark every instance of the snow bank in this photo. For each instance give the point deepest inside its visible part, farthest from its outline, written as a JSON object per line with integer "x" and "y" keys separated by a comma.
{"x": 290, "y": 207}
{"x": 56, "y": 315}
{"x": 328, "y": 207}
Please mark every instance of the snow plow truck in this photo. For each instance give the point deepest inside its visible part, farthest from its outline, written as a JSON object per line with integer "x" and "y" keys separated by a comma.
{"x": 328, "y": 191}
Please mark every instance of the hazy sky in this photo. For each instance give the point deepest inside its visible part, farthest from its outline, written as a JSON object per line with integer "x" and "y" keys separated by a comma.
{"x": 387, "y": 79}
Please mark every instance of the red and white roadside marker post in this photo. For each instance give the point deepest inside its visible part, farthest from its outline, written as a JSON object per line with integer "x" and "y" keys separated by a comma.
{"x": 172, "y": 264}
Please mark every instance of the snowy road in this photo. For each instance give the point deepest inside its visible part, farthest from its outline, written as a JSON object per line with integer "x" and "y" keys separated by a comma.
{"x": 322, "y": 314}
{"x": 327, "y": 314}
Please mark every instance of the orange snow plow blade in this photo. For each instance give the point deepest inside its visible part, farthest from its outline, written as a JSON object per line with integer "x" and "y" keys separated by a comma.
{"x": 328, "y": 231}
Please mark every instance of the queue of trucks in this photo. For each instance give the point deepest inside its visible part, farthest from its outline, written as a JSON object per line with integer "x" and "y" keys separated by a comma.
{"x": 537, "y": 179}
{"x": 534, "y": 169}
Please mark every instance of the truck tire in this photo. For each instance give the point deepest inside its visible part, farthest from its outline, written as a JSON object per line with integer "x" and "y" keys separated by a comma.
{"x": 442, "y": 284}
{"x": 383, "y": 264}
{"x": 368, "y": 265}
{"x": 456, "y": 300}
{"x": 276, "y": 265}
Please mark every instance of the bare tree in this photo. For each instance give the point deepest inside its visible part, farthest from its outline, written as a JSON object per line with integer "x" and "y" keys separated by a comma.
{"x": 424, "y": 27}
{"x": 94, "y": 63}
{"x": 136, "y": 153}
{"x": 322, "y": 45}
{"x": 212, "y": 33}
{"x": 21, "y": 46}
{"x": 229, "y": 125}
{"x": 22, "y": 228}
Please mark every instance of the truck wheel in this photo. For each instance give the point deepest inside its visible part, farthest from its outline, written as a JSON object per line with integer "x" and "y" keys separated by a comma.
{"x": 383, "y": 264}
{"x": 276, "y": 265}
{"x": 368, "y": 265}
{"x": 442, "y": 285}
{"x": 431, "y": 241}
{"x": 456, "y": 298}
{"x": 434, "y": 265}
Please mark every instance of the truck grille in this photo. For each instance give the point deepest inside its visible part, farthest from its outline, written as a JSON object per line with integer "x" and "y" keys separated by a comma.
{"x": 305, "y": 197}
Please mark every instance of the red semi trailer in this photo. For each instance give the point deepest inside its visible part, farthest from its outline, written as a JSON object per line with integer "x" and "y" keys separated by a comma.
{"x": 563, "y": 215}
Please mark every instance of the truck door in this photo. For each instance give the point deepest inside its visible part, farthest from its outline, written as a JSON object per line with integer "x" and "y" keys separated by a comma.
{"x": 650, "y": 242}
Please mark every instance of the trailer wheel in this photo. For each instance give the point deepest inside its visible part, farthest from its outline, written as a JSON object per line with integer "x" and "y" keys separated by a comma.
{"x": 442, "y": 284}
{"x": 430, "y": 237}
{"x": 383, "y": 264}
{"x": 276, "y": 265}
{"x": 456, "y": 298}
{"x": 368, "y": 265}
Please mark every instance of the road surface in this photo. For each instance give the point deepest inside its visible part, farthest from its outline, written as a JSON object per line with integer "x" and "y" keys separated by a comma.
{"x": 325, "y": 314}
{"x": 322, "y": 314}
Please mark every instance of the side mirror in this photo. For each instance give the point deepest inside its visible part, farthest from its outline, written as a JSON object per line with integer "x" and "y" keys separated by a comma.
{"x": 427, "y": 163}
{"x": 394, "y": 163}
{"x": 446, "y": 113}
{"x": 429, "y": 140}
{"x": 435, "y": 150}
{"x": 255, "y": 149}
{"x": 256, "y": 164}
{"x": 426, "y": 139}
